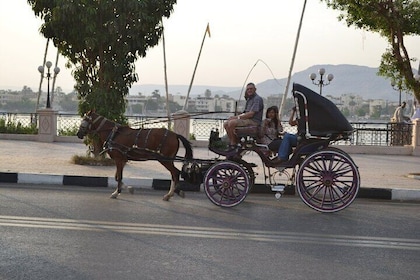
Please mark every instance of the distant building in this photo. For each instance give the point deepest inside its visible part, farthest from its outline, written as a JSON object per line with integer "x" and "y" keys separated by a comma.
{"x": 205, "y": 104}
{"x": 179, "y": 99}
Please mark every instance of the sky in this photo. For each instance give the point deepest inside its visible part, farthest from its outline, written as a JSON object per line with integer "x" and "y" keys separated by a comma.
{"x": 244, "y": 33}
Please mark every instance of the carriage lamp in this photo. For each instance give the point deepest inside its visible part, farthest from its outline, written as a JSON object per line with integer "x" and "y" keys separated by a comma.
{"x": 397, "y": 88}
{"x": 48, "y": 76}
{"x": 321, "y": 82}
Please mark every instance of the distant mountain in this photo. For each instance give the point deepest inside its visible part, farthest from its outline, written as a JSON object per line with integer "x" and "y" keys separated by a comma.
{"x": 348, "y": 79}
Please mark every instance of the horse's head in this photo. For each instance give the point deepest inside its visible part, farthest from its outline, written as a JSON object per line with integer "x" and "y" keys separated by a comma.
{"x": 88, "y": 120}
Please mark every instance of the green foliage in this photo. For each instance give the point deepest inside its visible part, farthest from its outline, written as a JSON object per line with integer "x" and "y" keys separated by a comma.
{"x": 102, "y": 40}
{"x": 18, "y": 106}
{"x": 72, "y": 131}
{"x": 363, "y": 110}
{"x": 67, "y": 104}
{"x": 17, "y": 128}
{"x": 393, "y": 20}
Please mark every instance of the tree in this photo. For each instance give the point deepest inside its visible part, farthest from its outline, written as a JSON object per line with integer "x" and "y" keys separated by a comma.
{"x": 67, "y": 103}
{"x": 102, "y": 40}
{"x": 376, "y": 112}
{"x": 207, "y": 93}
{"x": 392, "y": 19}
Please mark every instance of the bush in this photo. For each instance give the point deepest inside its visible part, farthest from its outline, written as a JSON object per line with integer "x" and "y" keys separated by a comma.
{"x": 72, "y": 131}
{"x": 17, "y": 128}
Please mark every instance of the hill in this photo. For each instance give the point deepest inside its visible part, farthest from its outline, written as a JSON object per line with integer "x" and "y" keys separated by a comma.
{"x": 348, "y": 79}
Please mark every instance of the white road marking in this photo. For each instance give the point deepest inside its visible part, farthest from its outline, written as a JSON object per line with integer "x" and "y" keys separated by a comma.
{"x": 211, "y": 232}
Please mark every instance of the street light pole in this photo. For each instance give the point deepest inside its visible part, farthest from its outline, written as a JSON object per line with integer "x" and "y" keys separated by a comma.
{"x": 399, "y": 88}
{"x": 321, "y": 82}
{"x": 48, "y": 76}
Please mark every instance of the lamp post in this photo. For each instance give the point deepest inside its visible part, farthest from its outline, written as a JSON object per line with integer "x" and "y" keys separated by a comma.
{"x": 398, "y": 88}
{"x": 48, "y": 76}
{"x": 321, "y": 82}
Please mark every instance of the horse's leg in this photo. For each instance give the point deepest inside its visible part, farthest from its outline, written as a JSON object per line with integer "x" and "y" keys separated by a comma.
{"x": 119, "y": 163}
{"x": 174, "y": 180}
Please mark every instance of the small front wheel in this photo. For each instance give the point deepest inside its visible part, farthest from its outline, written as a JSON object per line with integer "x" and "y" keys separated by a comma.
{"x": 226, "y": 183}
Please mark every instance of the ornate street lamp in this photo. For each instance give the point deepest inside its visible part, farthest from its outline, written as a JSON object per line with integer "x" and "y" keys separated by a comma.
{"x": 48, "y": 76}
{"x": 321, "y": 82}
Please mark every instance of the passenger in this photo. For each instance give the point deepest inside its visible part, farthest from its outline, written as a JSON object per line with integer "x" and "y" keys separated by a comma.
{"x": 271, "y": 126}
{"x": 252, "y": 115}
{"x": 289, "y": 141}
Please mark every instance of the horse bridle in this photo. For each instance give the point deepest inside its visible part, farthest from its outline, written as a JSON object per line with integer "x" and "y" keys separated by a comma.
{"x": 87, "y": 123}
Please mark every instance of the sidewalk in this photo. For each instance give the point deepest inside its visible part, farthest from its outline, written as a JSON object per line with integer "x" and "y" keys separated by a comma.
{"x": 30, "y": 162}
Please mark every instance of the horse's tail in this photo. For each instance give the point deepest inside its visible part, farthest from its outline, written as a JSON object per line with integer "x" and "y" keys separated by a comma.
{"x": 187, "y": 146}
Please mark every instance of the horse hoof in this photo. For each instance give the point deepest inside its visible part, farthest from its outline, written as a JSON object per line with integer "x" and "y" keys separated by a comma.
{"x": 181, "y": 194}
{"x": 130, "y": 189}
{"x": 114, "y": 195}
{"x": 166, "y": 197}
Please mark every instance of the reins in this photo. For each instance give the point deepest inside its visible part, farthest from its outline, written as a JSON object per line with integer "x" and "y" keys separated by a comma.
{"x": 164, "y": 119}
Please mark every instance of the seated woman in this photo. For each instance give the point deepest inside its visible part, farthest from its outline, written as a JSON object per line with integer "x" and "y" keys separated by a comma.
{"x": 271, "y": 127}
{"x": 289, "y": 141}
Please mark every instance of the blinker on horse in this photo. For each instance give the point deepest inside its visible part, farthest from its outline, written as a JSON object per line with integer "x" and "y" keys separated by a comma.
{"x": 123, "y": 143}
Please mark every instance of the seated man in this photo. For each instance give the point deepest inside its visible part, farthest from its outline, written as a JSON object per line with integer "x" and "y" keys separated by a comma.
{"x": 252, "y": 115}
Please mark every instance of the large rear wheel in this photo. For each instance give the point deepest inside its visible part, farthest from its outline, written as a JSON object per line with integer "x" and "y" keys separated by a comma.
{"x": 328, "y": 180}
{"x": 226, "y": 183}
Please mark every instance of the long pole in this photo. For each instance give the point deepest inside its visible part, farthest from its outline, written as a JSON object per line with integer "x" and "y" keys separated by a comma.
{"x": 166, "y": 79}
{"x": 54, "y": 77}
{"x": 195, "y": 68}
{"x": 293, "y": 61}
{"x": 42, "y": 74}
{"x": 48, "y": 88}
{"x": 246, "y": 79}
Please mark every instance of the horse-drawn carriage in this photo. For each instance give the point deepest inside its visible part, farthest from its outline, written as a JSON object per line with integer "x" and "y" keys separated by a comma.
{"x": 326, "y": 178}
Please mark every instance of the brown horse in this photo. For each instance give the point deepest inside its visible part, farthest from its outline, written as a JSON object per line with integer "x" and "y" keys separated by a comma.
{"x": 123, "y": 143}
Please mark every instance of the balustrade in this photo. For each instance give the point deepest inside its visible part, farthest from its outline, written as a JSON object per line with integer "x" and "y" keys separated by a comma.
{"x": 365, "y": 133}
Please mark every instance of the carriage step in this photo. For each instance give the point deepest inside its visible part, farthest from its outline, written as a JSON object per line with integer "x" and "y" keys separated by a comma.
{"x": 277, "y": 188}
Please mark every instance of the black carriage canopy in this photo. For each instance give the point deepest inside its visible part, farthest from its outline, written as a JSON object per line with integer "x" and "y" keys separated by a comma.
{"x": 324, "y": 118}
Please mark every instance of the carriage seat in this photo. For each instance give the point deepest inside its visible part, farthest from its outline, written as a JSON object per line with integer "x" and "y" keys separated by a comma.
{"x": 244, "y": 131}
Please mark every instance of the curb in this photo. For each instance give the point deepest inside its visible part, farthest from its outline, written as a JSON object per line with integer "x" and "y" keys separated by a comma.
{"x": 163, "y": 184}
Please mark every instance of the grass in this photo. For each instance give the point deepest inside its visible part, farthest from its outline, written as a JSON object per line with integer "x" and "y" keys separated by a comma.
{"x": 93, "y": 161}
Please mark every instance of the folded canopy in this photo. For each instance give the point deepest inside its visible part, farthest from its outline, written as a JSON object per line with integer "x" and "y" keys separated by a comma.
{"x": 323, "y": 117}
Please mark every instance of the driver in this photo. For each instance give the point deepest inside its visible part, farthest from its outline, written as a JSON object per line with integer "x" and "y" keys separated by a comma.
{"x": 252, "y": 115}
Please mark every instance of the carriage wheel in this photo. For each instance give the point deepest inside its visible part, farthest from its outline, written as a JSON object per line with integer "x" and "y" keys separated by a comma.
{"x": 249, "y": 170}
{"x": 328, "y": 180}
{"x": 226, "y": 183}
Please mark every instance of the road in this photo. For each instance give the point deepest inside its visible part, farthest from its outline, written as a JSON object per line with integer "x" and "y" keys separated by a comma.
{"x": 79, "y": 233}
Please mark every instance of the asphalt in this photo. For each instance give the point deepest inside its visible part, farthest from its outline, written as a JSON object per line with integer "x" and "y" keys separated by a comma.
{"x": 30, "y": 162}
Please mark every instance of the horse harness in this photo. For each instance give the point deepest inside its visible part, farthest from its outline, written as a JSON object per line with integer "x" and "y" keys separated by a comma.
{"x": 110, "y": 144}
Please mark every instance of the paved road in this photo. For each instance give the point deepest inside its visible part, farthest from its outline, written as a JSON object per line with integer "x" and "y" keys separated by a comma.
{"x": 56, "y": 232}
{"x": 393, "y": 173}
